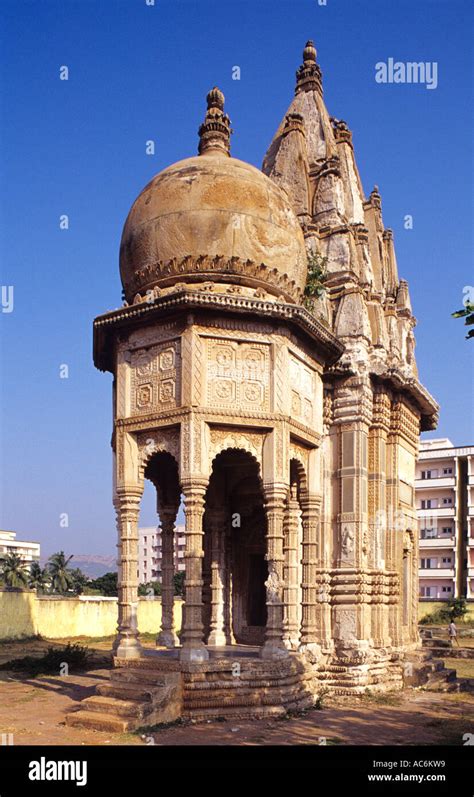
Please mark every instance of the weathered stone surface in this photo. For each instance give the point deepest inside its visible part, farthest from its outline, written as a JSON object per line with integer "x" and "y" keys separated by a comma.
{"x": 212, "y": 205}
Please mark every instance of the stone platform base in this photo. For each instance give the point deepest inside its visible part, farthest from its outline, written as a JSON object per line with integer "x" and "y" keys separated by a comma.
{"x": 157, "y": 689}
{"x": 234, "y": 682}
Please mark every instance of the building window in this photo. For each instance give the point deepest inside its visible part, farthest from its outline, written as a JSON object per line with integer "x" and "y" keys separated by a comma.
{"x": 447, "y": 501}
{"x": 447, "y": 560}
{"x": 447, "y": 471}
{"x": 447, "y": 589}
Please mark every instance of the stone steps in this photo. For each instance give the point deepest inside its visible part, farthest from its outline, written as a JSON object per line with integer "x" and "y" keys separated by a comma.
{"x": 125, "y": 691}
{"x": 117, "y": 707}
{"x": 130, "y": 704}
{"x": 93, "y": 720}
{"x": 145, "y": 677}
{"x": 430, "y": 673}
{"x": 440, "y": 680}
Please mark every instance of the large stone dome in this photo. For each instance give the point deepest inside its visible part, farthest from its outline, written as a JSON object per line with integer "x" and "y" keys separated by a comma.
{"x": 213, "y": 217}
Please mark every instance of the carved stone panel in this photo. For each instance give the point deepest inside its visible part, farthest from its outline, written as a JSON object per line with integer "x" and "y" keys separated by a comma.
{"x": 238, "y": 374}
{"x": 304, "y": 387}
{"x": 156, "y": 374}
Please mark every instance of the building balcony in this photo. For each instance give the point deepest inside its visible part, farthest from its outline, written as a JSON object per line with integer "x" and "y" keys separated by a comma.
{"x": 439, "y": 511}
{"x": 436, "y": 483}
{"x": 438, "y": 542}
{"x": 437, "y": 572}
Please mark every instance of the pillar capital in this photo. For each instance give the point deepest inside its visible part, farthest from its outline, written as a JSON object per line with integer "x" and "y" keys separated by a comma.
{"x": 194, "y": 488}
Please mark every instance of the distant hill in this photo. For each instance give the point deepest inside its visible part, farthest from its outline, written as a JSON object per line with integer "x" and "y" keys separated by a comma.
{"x": 92, "y": 565}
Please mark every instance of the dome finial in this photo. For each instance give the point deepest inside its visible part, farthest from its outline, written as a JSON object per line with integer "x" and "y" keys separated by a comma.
{"x": 214, "y": 133}
{"x": 309, "y": 52}
{"x": 308, "y": 76}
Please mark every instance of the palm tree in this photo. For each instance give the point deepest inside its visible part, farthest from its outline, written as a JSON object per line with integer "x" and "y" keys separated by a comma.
{"x": 38, "y": 578}
{"x": 13, "y": 571}
{"x": 61, "y": 578}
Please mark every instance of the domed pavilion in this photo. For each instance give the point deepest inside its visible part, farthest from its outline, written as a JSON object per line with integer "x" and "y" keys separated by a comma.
{"x": 286, "y": 419}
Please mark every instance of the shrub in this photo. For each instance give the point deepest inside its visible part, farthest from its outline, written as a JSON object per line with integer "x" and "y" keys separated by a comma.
{"x": 77, "y": 658}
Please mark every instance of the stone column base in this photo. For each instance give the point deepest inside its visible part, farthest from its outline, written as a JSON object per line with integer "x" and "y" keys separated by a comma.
{"x": 198, "y": 653}
{"x": 127, "y": 648}
{"x": 270, "y": 651}
{"x": 217, "y": 639}
{"x": 167, "y": 639}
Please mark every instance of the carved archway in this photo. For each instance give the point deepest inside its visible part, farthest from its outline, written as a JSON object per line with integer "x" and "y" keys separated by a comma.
{"x": 234, "y": 567}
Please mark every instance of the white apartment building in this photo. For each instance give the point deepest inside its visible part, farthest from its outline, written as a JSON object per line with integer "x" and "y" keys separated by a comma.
{"x": 445, "y": 505}
{"x": 149, "y": 552}
{"x": 29, "y": 551}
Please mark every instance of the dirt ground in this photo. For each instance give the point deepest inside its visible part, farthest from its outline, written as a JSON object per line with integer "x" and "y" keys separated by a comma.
{"x": 33, "y": 710}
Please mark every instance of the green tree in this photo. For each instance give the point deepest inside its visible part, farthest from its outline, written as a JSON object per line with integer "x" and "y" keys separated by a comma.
{"x": 61, "y": 579}
{"x": 468, "y": 314}
{"x": 80, "y": 580}
{"x": 456, "y": 608}
{"x": 144, "y": 589}
{"x": 107, "y": 584}
{"x": 38, "y": 577}
{"x": 178, "y": 583}
{"x": 315, "y": 279}
{"x": 13, "y": 571}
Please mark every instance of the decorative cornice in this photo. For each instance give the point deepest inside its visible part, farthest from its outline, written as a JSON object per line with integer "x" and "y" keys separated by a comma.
{"x": 152, "y": 277}
{"x": 428, "y": 407}
{"x": 185, "y": 299}
{"x": 170, "y": 420}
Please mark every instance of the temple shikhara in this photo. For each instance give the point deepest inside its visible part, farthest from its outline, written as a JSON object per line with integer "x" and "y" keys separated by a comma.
{"x": 286, "y": 419}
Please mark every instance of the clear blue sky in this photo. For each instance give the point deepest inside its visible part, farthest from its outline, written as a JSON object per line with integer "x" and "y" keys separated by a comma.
{"x": 78, "y": 147}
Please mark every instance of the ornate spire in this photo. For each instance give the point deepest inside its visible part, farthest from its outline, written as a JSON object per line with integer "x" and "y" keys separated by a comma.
{"x": 214, "y": 133}
{"x": 341, "y": 131}
{"x": 309, "y": 76}
{"x": 375, "y": 197}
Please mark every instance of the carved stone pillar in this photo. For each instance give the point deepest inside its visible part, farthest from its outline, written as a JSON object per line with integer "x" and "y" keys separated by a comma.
{"x": 378, "y": 515}
{"x": 228, "y": 586}
{"x": 217, "y": 519}
{"x": 394, "y": 546}
{"x": 310, "y": 505}
{"x": 351, "y": 585}
{"x": 291, "y": 571}
{"x": 127, "y": 507}
{"x": 193, "y": 648}
{"x": 274, "y": 646}
{"x": 167, "y": 636}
